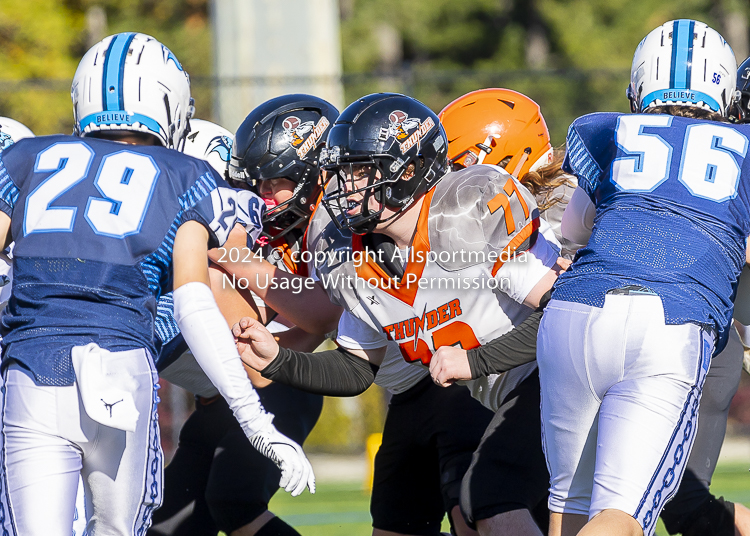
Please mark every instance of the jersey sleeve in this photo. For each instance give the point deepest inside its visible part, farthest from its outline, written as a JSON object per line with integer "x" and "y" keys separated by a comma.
{"x": 356, "y": 333}
{"x": 8, "y": 189}
{"x": 519, "y": 275}
{"x": 217, "y": 211}
{"x": 250, "y": 212}
{"x": 165, "y": 326}
{"x": 484, "y": 214}
{"x": 588, "y": 146}
{"x": 510, "y": 217}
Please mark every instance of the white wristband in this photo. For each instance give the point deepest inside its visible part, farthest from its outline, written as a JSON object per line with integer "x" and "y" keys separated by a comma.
{"x": 208, "y": 336}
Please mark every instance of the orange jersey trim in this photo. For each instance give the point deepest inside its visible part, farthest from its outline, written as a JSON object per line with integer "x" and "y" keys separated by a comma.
{"x": 286, "y": 251}
{"x": 370, "y": 269}
{"x": 519, "y": 239}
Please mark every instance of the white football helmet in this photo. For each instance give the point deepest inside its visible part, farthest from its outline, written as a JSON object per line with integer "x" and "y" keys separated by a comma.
{"x": 11, "y": 131}
{"x": 683, "y": 63}
{"x": 210, "y": 142}
{"x": 130, "y": 81}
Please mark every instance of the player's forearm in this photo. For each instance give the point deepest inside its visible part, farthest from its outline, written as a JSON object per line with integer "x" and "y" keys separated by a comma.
{"x": 332, "y": 373}
{"x": 515, "y": 348}
{"x": 309, "y": 309}
{"x": 210, "y": 341}
{"x": 297, "y": 298}
{"x": 299, "y": 340}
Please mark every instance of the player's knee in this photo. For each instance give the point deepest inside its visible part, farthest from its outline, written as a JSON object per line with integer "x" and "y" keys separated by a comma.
{"x": 714, "y": 517}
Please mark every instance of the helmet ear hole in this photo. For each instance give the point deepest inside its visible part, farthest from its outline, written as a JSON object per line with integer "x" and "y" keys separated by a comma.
{"x": 505, "y": 161}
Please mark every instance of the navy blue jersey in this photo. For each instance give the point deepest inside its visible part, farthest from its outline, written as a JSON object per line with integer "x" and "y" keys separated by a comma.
{"x": 672, "y": 199}
{"x": 169, "y": 341}
{"x": 94, "y": 223}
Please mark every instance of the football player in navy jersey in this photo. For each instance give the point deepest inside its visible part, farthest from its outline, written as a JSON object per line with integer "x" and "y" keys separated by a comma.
{"x": 625, "y": 343}
{"x": 101, "y": 229}
{"x": 216, "y": 481}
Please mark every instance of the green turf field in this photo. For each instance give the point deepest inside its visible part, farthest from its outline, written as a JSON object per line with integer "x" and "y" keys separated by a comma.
{"x": 343, "y": 509}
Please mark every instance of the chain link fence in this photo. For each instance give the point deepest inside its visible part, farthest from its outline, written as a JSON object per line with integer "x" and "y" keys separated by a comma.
{"x": 44, "y": 104}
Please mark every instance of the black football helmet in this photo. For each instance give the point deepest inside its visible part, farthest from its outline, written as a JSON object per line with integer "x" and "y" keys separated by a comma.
{"x": 388, "y": 133}
{"x": 741, "y": 110}
{"x": 282, "y": 138}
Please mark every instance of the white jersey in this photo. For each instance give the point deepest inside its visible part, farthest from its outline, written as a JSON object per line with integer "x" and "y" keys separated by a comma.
{"x": 332, "y": 245}
{"x": 470, "y": 267}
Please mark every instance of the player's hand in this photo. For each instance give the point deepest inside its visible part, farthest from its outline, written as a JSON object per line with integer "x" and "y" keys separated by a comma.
{"x": 296, "y": 471}
{"x": 255, "y": 344}
{"x": 563, "y": 263}
{"x": 448, "y": 364}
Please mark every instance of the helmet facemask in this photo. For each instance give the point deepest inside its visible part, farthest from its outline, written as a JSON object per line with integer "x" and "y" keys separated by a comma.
{"x": 387, "y": 188}
{"x": 291, "y": 214}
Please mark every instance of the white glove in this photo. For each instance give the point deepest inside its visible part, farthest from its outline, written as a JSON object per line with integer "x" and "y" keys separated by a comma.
{"x": 296, "y": 471}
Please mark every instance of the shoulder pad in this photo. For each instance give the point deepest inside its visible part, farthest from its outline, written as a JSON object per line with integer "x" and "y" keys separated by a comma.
{"x": 590, "y": 147}
{"x": 477, "y": 213}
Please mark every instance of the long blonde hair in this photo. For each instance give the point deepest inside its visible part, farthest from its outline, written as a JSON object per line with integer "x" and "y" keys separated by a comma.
{"x": 545, "y": 179}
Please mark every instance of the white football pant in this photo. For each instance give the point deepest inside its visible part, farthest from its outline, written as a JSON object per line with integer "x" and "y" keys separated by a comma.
{"x": 49, "y": 439}
{"x": 620, "y": 394}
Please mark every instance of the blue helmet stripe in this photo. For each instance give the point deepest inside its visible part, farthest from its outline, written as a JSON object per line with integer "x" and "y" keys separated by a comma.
{"x": 689, "y": 61}
{"x": 682, "y": 54}
{"x": 114, "y": 66}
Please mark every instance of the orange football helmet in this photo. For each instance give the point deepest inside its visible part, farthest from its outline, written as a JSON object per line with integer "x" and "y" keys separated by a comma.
{"x": 496, "y": 126}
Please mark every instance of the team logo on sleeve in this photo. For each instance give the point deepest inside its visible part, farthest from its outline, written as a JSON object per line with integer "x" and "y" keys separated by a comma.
{"x": 304, "y": 136}
{"x": 221, "y": 145}
{"x": 401, "y": 127}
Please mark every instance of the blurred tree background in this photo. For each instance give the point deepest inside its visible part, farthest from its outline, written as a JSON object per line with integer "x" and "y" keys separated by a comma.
{"x": 571, "y": 56}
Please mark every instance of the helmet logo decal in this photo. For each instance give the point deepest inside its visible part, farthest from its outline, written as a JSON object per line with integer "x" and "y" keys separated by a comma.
{"x": 169, "y": 56}
{"x": 312, "y": 139}
{"x": 295, "y": 129}
{"x": 427, "y": 125}
{"x": 5, "y": 141}
{"x": 304, "y": 136}
{"x": 221, "y": 145}
{"x": 400, "y": 126}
